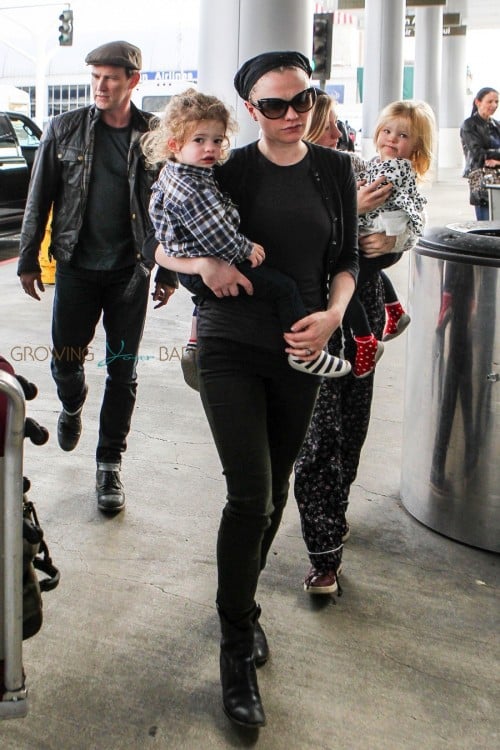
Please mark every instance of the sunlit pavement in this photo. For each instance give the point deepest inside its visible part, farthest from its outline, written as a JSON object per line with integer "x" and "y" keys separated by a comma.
{"x": 128, "y": 656}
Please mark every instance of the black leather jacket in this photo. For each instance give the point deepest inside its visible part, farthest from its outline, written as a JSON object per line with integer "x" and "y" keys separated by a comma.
{"x": 475, "y": 135}
{"x": 61, "y": 176}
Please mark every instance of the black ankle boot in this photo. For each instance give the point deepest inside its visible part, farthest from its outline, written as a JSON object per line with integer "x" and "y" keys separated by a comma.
{"x": 260, "y": 644}
{"x": 240, "y": 691}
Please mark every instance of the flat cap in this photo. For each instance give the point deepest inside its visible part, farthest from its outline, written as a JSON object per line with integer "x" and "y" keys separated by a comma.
{"x": 120, "y": 53}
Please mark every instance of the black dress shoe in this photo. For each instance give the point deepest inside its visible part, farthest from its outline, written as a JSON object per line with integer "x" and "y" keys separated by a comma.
{"x": 110, "y": 494}
{"x": 69, "y": 429}
{"x": 260, "y": 646}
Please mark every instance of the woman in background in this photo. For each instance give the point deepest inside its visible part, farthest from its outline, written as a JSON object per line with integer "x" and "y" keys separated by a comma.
{"x": 480, "y": 136}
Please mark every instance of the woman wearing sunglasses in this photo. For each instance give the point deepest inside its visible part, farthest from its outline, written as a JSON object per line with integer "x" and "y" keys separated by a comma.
{"x": 299, "y": 202}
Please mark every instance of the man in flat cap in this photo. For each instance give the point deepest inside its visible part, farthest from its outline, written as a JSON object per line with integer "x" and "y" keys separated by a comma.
{"x": 89, "y": 171}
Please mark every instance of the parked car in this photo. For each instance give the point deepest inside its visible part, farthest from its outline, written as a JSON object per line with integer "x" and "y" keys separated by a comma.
{"x": 19, "y": 140}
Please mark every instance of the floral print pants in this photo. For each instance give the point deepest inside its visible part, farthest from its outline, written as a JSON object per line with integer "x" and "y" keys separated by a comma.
{"x": 328, "y": 461}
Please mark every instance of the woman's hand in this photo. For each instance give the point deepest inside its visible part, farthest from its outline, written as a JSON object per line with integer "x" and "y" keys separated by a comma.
{"x": 310, "y": 334}
{"x": 491, "y": 163}
{"x": 373, "y": 195}
{"x": 224, "y": 280}
{"x": 374, "y": 245}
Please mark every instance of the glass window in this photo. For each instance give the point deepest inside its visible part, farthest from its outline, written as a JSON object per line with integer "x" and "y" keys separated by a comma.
{"x": 24, "y": 133}
{"x": 8, "y": 144}
{"x": 63, "y": 98}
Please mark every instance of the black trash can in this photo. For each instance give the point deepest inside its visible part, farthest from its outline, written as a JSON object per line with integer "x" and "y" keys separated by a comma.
{"x": 450, "y": 477}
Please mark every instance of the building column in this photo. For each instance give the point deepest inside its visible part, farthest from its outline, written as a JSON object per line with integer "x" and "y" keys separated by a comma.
{"x": 383, "y": 62}
{"x": 428, "y": 56}
{"x": 217, "y": 62}
{"x": 453, "y": 90}
{"x": 247, "y": 28}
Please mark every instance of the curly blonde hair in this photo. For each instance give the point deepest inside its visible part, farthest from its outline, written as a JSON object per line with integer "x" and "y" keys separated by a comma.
{"x": 422, "y": 126}
{"x": 181, "y": 114}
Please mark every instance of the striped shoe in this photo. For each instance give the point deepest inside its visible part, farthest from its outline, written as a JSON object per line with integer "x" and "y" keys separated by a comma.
{"x": 326, "y": 365}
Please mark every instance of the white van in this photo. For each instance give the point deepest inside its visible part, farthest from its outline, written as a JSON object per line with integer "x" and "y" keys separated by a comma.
{"x": 153, "y": 96}
{"x": 13, "y": 99}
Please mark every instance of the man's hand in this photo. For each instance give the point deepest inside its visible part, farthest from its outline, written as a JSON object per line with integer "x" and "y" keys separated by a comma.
{"x": 373, "y": 195}
{"x": 30, "y": 281}
{"x": 162, "y": 294}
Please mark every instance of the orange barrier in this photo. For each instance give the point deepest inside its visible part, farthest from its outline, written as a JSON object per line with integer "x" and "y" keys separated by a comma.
{"x": 48, "y": 265}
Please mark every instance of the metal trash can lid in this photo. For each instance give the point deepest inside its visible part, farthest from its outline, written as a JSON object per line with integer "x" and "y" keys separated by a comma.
{"x": 467, "y": 242}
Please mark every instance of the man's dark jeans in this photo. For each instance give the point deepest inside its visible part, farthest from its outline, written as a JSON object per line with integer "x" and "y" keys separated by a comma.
{"x": 81, "y": 296}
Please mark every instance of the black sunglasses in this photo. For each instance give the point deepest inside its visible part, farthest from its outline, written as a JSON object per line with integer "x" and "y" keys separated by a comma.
{"x": 273, "y": 109}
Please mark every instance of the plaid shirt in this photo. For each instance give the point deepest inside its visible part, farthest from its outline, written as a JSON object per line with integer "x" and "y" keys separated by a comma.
{"x": 192, "y": 218}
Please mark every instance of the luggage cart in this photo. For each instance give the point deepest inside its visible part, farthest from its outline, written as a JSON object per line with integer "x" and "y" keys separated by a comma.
{"x": 13, "y": 693}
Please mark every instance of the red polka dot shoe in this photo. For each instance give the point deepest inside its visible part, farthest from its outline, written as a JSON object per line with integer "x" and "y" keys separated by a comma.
{"x": 368, "y": 353}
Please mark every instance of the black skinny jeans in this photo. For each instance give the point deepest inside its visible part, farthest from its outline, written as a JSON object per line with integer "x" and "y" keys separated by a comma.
{"x": 81, "y": 296}
{"x": 258, "y": 409}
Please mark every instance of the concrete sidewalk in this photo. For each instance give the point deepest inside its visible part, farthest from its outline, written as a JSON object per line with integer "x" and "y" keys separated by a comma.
{"x": 127, "y": 658}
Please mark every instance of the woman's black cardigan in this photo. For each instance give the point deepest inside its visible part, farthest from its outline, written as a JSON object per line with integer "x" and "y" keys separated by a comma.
{"x": 334, "y": 177}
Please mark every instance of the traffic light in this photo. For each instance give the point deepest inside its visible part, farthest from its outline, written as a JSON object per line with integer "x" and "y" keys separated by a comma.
{"x": 66, "y": 28}
{"x": 322, "y": 45}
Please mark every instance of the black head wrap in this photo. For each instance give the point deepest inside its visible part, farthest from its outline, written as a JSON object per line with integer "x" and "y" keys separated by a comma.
{"x": 253, "y": 69}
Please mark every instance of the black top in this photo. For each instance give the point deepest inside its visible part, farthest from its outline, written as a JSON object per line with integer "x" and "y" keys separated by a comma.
{"x": 291, "y": 224}
{"x": 105, "y": 241}
{"x": 305, "y": 217}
